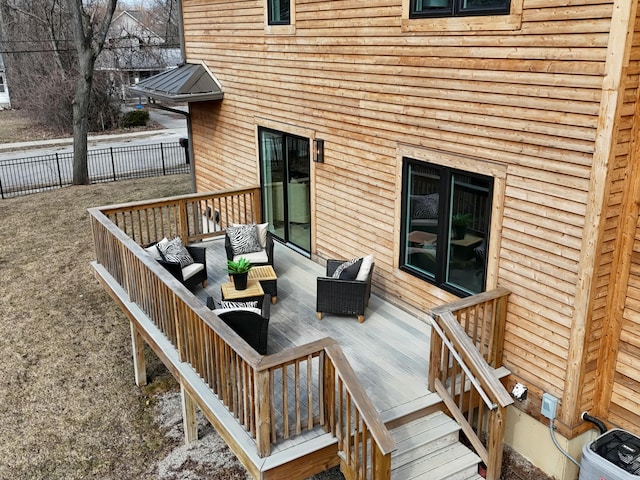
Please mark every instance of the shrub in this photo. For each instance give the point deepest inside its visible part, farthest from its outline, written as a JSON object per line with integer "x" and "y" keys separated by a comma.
{"x": 135, "y": 118}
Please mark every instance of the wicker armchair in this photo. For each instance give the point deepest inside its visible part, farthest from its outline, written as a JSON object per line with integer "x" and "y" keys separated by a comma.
{"x": 342, "y": 297}
{"x": 189, "y": 276}
{"x": 251, "y": 326}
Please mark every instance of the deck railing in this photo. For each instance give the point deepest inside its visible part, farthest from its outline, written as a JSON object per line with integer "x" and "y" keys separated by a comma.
{"x": 273, "y": 397}
{"x": 465, "y": 350}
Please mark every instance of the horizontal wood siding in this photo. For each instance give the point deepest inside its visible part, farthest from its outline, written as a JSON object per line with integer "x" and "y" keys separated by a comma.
{"x": 624, "y": 405}
{"x": 527, "y": 98}
{"x": 624, "y": 408}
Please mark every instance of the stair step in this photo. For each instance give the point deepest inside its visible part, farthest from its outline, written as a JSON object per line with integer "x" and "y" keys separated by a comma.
{"x": 420, "y": 437}
{"x": 454, "y": 462}
{"x": 423, "y": 405}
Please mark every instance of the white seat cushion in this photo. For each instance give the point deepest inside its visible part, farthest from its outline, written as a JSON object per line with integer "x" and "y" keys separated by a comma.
{"x": 254, "y": 257}
{"x": 190, "y": 270}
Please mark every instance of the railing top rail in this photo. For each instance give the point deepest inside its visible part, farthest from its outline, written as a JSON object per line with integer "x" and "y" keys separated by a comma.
{"x": 107, "y": 209}
{"x": 470, "y": 301}
{"x": 473, "y": 358}
{"x": 368, "y": 412}
{"x": 287, "y": 356}
{"x": 225, "y": 332}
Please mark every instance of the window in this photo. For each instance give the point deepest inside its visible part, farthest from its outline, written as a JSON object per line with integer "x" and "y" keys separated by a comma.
{"x": 1, "y": 84}
{"x": 446, "y": 215}
{"x": 457, "y": 8}
{"x": 279, "y": 12}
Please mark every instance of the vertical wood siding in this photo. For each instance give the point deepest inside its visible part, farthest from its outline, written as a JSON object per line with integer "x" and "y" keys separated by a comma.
{"x": 528, "y": 99}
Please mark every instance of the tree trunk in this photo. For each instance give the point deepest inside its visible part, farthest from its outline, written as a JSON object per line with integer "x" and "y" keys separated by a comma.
{"x": 88, "y": 36}
{"x": 81, "y": 121}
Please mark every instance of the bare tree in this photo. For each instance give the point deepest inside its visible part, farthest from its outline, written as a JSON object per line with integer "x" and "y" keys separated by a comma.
{"x": 89, "y": 33}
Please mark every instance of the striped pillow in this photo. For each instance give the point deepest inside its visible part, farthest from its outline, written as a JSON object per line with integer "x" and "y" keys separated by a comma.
{"x": 173, "y": 251}
{"x": 244, "y": 239}
{"x": 229, "y": 304}
{"x": 348, "y": 270}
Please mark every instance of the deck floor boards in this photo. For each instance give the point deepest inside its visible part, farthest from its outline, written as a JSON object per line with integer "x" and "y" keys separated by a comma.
{"x": 389, "y": 351}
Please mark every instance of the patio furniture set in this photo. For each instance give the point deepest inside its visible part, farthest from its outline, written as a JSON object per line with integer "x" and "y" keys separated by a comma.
{"x": 345, "y": 290}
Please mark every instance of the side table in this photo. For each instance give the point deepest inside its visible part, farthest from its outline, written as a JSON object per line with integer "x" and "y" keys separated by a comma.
{"x": 253, "y": 291}
{"x": 266, "y": 276}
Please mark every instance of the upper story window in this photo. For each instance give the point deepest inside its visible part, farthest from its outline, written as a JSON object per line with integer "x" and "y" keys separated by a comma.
{"x": 457, "y": 8}
{"x": 446, "y": 214}
{"x": 1, "y": 84}
{"x": 279, "y": 12}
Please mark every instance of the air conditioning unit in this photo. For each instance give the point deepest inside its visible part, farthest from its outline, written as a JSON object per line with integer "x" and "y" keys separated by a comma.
{"x": 614, "y": 455}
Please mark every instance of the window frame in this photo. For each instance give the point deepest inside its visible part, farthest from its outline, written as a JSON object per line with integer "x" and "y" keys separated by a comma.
{"x": 464, "y": 24}
{"x": 270, "y": 11}
{"x": 456, "y": 9}
{"x": 279, "y": 28}
{"x": 442, "y": 259}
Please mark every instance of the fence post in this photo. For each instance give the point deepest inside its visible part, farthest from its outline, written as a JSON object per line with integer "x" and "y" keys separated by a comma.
{"x": 1, "y": 190}
{"x": 59, "y": 172}
{"x": 113, "y": 164}
{"x": 164, "y": 172}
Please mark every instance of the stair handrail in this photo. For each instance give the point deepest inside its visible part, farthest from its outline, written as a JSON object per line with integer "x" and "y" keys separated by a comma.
{"x": 490, "y": 404}
{"x": 454, "y": 361}
{"x": 471, "y": 360}
{"x": 356, "y": 459}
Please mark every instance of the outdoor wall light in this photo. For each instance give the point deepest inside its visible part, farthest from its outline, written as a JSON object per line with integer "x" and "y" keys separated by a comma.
{"x": 318, "y": 150}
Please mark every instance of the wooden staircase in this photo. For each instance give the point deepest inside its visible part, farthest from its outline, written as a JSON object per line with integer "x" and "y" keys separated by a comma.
{"x": 429, "y": 448}
{"x": 428, "y": 443}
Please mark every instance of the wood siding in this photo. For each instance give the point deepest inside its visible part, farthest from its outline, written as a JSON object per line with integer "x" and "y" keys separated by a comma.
{"x": 529, "y": 99}
{"x": 618, "y": 386}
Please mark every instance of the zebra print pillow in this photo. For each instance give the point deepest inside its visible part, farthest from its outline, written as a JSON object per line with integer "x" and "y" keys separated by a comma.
{"x": 229, "y": 304}
{"x": 243, "y": 239}
{"x": 173, "y": 251}
{"x": 348, "y": 270}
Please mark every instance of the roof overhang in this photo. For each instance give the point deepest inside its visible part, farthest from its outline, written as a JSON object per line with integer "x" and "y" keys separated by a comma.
{"x": 188, "y": 82}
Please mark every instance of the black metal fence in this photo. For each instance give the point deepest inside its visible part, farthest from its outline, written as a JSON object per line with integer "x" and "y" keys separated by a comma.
{"x": 45, "y": 172}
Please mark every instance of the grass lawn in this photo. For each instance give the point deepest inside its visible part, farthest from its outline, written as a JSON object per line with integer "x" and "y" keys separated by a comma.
{"x": 69, "y": 408}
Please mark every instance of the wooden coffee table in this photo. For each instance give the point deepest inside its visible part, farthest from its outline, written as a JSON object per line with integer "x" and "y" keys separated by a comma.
{"x": 266, "y": 276}
{"x": 253, "y": 291}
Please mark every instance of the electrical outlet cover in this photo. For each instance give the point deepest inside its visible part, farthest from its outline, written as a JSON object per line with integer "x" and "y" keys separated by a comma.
{"x": 549, "y": 406}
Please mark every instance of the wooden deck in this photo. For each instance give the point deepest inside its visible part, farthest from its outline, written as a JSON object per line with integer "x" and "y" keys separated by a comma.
{"x": 331, "y": 391}
{"x": 389, "y": 351}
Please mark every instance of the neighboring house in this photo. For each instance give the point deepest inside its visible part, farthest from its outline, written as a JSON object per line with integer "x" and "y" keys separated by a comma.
{"x": 5, "y": 101}
{"x": 518, "y": 118}
{"x": 133, "y": 52}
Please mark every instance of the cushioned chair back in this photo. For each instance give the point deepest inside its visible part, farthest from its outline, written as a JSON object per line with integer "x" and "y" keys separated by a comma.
{"x": 252, "y": 327}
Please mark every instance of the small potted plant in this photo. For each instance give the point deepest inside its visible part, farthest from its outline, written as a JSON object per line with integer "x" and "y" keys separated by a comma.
{"x": 239, "y": 272}
{"x": 459, "y": 222}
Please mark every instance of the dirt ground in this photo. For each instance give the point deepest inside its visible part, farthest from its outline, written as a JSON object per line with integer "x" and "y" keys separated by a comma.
{"x": 68, "y": 406}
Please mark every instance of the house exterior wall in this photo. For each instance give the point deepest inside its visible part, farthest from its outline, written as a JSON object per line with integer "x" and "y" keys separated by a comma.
{"x": 535, "y": 105}
{"x": 623, "y": 403}
{"x": 617, "y": 385}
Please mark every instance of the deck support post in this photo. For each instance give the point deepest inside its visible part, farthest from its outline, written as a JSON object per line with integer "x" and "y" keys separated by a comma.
{"x": 189, "y": 420}
{"x": 139, "y": 365}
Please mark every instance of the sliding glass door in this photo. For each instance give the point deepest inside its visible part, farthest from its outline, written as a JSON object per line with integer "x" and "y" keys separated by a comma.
{"x": 286, "y": 198}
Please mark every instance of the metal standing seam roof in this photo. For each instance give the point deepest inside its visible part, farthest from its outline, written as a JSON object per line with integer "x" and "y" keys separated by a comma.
{"x": 186, "y": 83}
